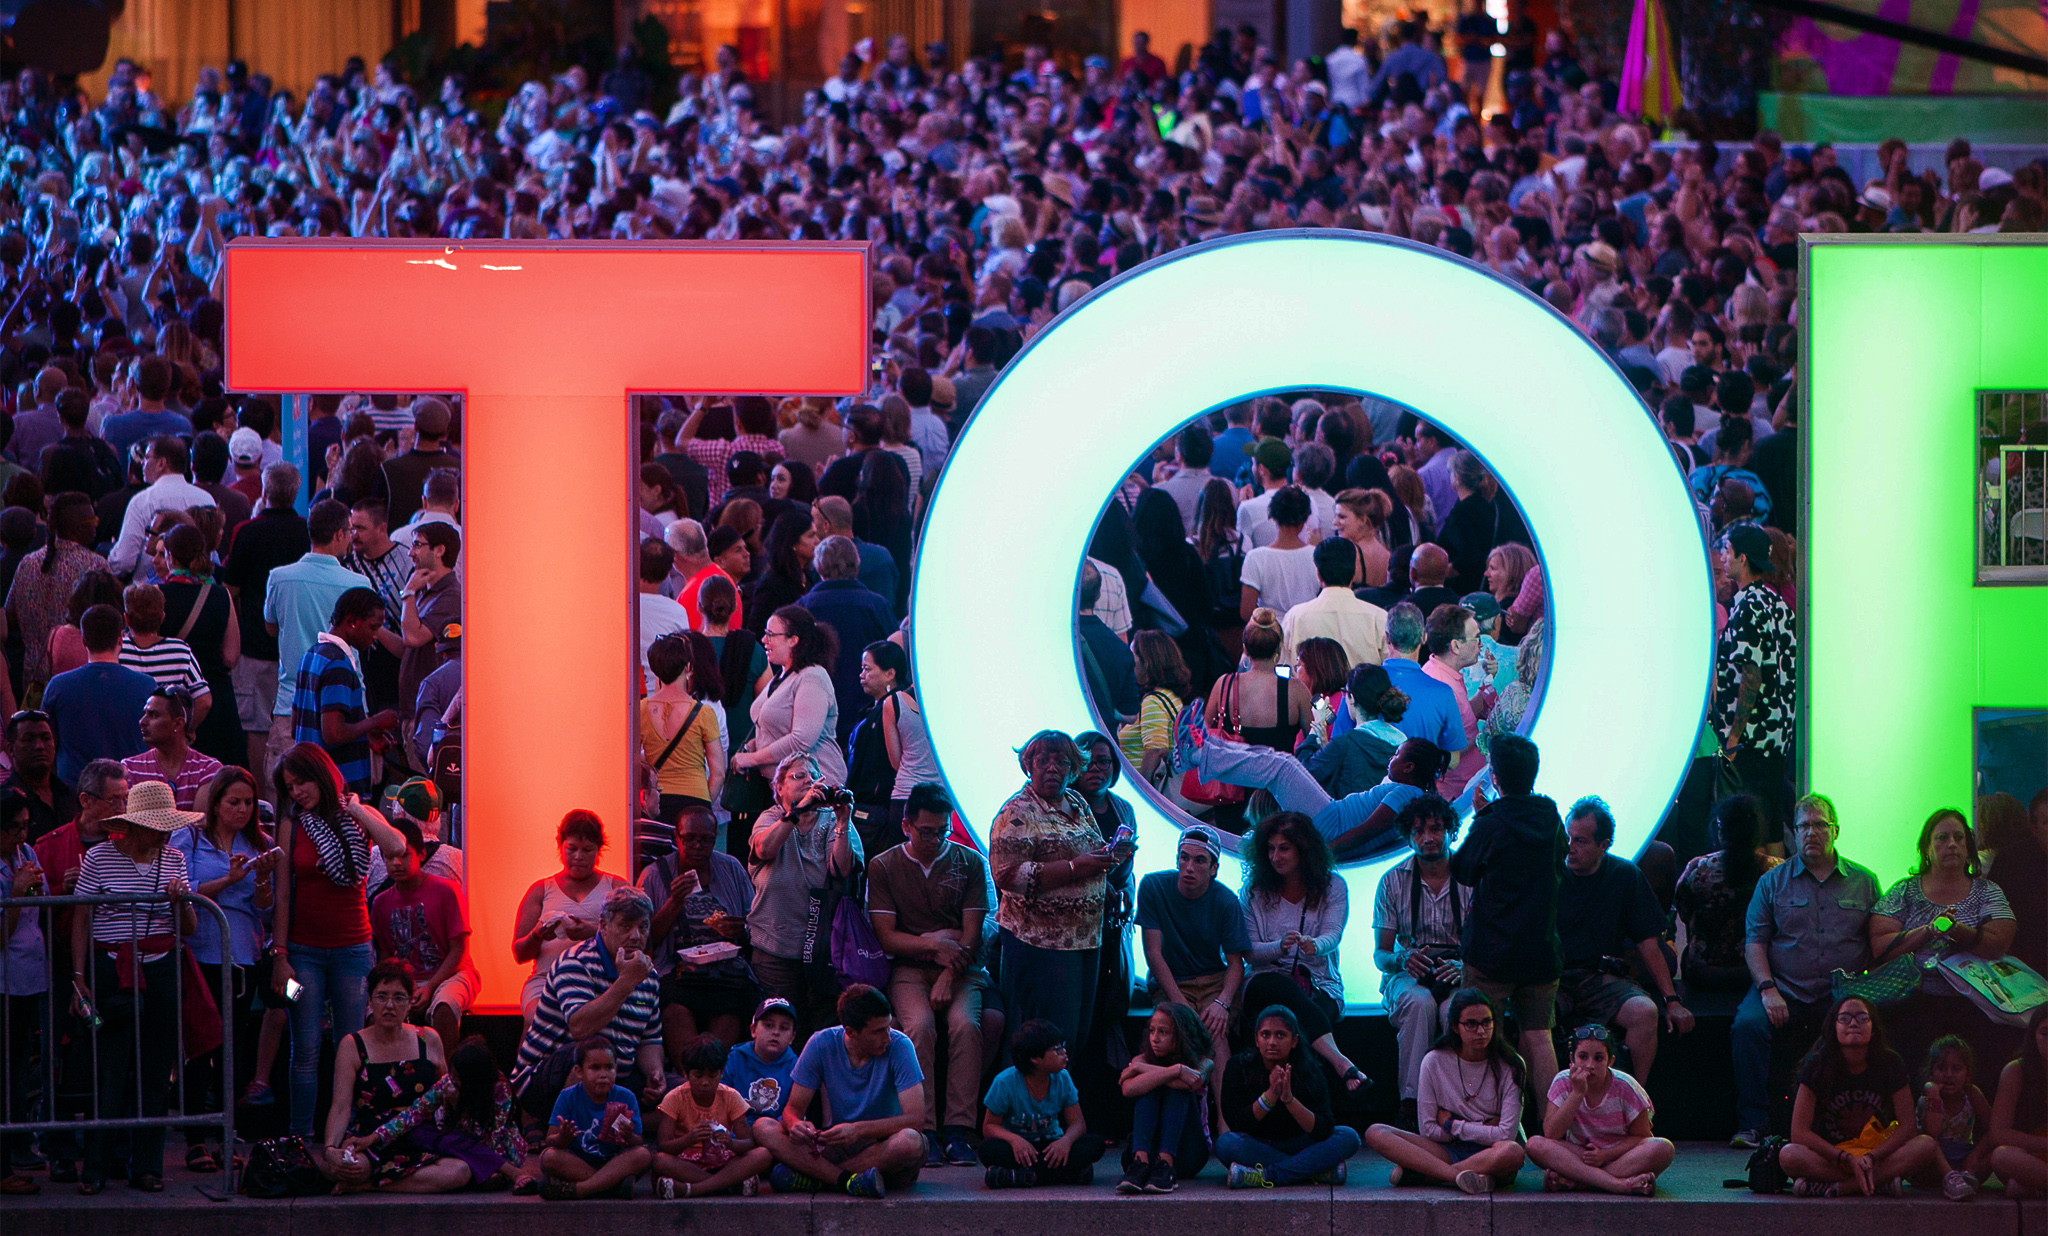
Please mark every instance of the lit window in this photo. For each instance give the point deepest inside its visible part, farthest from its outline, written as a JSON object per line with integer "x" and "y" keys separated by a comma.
{"x": 2012, "y": 487}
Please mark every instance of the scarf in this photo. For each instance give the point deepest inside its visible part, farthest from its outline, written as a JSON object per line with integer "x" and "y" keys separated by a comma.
{"x": 344, "y": 850}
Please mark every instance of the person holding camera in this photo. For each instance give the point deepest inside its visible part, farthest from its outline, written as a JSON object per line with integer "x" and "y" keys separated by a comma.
{"x": 1418, "y": 917}
{"x": 801, "y": 845}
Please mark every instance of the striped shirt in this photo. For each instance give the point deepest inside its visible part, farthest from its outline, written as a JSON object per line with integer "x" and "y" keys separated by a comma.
{"x": 108, "y": 872}
{"x": 388, "y": 575}
{"x": 712, "y": 454}
{"x": 330, "y": 681}
{"x": 581, "y": 975}
{"x": 193, "y": 774}
{"x": 169, "y": 661}
{"x": 1417, "y": 917}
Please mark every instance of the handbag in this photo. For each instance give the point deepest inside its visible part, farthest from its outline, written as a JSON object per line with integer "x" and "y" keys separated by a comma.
{"x": 1192, "y": 787}
{"x": 1303, "y": 977}
{"x": 1879, "y": 986}
{"x": 870, "y": 777}
{"x": 282, "y": 1167}
{"x": 857, "y": 956}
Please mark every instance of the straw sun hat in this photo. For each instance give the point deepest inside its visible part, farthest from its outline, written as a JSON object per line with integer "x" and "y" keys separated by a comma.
{"x": 151, "y": 805}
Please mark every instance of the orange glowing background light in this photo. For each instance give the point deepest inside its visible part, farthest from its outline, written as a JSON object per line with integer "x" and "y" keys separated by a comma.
{"x": 548, "y": 341}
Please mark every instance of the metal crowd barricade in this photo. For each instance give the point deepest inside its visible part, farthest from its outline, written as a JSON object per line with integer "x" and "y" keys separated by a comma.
{"x": 58, "y": 1013}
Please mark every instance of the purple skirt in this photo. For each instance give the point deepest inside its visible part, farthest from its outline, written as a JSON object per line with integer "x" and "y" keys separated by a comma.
{"x": 456, "y": 1143}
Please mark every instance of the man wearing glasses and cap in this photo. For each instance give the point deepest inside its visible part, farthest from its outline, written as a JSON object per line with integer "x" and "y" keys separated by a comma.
{"x": 1195, "y": 939}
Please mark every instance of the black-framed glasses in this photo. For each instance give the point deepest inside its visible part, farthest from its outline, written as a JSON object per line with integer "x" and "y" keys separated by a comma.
{"x": 1467, "y": 1023}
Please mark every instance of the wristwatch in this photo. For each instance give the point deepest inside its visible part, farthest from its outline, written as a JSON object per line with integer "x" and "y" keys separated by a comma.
{"x": 1670, "y": 997}
{"x": 1768, "y": 985}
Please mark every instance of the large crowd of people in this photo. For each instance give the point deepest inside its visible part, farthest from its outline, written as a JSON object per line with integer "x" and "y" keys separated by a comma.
{"x": 1315, "y": 623}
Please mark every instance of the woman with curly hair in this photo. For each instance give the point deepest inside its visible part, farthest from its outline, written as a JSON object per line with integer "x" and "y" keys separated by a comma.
{"x": 1295, "y": 908}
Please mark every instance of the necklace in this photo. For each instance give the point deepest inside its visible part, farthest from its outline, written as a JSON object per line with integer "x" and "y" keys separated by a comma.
{"x": 1485, "y": 1071}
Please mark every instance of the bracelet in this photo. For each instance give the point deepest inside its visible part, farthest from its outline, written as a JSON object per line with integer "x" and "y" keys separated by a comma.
{"x": 1219, "y": 1003}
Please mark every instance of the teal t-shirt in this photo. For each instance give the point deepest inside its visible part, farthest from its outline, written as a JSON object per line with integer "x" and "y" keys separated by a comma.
{"x": 1034, "y": 1120}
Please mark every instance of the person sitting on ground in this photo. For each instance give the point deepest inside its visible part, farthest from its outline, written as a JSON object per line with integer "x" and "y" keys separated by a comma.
{"x": 379, "y": 1071}
{"x": 2019, "y": 1116}
{"x": 1470, "y": 1105}
{"x": 420, "y": 920}
{"x": 595, "y": 1145}
{"x": 866, "y": 1073}
{"x": 704, "y": 1144}
{"x": 1356, "y": 758}
{"x": 927, "y": 899}
{"x": 1295, "y": 908}
{"x": 1513, "y": 861}
{"x": 467, "y": 1117}
{"x": 1194, "y": 933}
{"x": 1853, "y": 1127}
{"x": 1418, "y": 917}
{"x": 1605, "y": 909}
{"x": 1277, "y": 1125}
{"x": 1032, "y": 1129}
{"x": 1955, "y": 1113}
{"x": 1166, "y": 1084}
{"x": 1596, "y": 1132}
{"x": 764, "y": 1063}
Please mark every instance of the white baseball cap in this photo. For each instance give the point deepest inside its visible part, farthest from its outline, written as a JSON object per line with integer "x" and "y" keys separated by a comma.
{"x": 245, "y": 446}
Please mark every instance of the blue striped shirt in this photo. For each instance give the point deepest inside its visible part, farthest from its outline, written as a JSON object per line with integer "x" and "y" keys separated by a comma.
{"x": 581, "y": 975}
{"x": 329, "y": 682}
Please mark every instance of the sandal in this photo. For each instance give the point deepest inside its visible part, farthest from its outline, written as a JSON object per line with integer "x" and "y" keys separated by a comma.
{"x": 19, "y": 1186}
{"x": 1355, "y": 1079}
{"x": 91, "y": 1186}
{"x": 526, "y": 1186}
{"x": 147, "y": 1183}
{"x": 202, "y": 1160}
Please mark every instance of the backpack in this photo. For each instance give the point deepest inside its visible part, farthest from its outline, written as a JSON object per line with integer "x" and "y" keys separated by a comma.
{"x": 869, "y": 775}
{"x": 1765, "y": 1173}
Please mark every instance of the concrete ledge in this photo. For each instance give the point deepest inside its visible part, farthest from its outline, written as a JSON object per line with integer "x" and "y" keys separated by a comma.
{"x": 953, "y": 1202}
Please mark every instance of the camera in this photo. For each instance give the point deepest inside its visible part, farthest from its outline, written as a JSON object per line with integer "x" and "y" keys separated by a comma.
{"x": 832, "y": 796}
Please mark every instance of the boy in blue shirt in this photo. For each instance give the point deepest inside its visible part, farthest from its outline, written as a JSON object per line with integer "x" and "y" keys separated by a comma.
{"x": 867, "y": 1073}
{"x": 760, "y": 1069}
{"x": 594, "y": 1146}
{"x": 1032, "y": 1130}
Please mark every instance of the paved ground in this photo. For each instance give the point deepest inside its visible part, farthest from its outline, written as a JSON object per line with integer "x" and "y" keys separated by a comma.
{"x": 953, "y": 1202}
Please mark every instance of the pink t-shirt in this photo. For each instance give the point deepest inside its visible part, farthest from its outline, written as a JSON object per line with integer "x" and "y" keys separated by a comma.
{"x": 1606, "y": 1123}
{"x": 419, "y": 926}
{"x": 1470, "y": 760}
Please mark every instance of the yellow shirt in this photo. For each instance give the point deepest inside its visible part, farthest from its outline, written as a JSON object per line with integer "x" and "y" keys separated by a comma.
{"x": 688, "y": 770}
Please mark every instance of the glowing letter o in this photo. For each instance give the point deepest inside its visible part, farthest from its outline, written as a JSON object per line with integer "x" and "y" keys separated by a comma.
{"x": 1631, "y": 603}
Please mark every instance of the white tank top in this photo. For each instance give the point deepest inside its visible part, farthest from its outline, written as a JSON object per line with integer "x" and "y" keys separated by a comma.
{"x": 553, "y": 901}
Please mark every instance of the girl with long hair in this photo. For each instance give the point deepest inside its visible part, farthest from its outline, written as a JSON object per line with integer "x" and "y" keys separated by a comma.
{"x": 1468, "y": 1105}
{"x": 2019, "y": 1115}
{"x": 1295, "y": 910}
{"x": 1167, "y": 1084}
{"x": 1278, "y": 1128}
{"x": 1853, "y": 1124}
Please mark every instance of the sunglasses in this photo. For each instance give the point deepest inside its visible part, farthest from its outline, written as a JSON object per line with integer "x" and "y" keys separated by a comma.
{"x": 1597, "y": 1033}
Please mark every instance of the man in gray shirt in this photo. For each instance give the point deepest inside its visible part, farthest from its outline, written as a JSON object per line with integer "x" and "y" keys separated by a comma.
{"x": 1807, "y": 917}
{"x": 1194, "y": 448}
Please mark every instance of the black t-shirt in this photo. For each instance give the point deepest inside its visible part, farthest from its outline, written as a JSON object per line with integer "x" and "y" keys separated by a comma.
{"x": 1604, "y": 914}
{"x": 691, "y": 478}
{"x": 274, "y": 538}
{"x": 406, "y": 476}
{"x": 1841, "y": 1110}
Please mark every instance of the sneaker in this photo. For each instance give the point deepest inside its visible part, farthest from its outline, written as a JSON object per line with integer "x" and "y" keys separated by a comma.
{"x": 1188, "y": 734}
{"x": 933, "y": 1155}
{"x": 1086, "y": 1176}
{"x": 1245, "y": 1176}
{"x": 1959, "y": 1186}
{"x": 1803, "y": 1187}
{"x": 1470, "y": 1181}
{"x": 556, "y": 1189}
{"x": 1161, "y": 1180}
{"x": 259, "y": 1094}
{"x": 1134, "y": 1180}
{"x": 867, "y": 1184}
{"x": 750, "y": 1187}
{"x": 1746, "y": 1139}
{"x": 997, "y": 1178}
{"x": 959, "y": 1151}
{"x": 1395, "y": 1176}
{"x": 665, "y": 1189}
{"x": 785, "y": 1179}
{"x": 1335, "y": 1176}
{"x": 1894, "y": 1187}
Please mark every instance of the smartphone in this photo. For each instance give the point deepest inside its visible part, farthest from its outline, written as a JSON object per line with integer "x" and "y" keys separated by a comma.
{"x": 293, "y": 989}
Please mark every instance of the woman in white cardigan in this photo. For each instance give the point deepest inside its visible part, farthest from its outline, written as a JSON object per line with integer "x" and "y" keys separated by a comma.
{"x": 798, "y": 713}
{"x": 1295, "y": 907}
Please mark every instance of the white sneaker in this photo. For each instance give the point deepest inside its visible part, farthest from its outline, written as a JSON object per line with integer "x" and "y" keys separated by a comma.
{"x": 1959, "y": 1186}
{"x": 1475, "y": 1182}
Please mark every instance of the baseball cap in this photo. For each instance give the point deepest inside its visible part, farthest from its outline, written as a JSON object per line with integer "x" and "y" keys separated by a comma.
{"x": 1752, "y": 543}
{"x": 1271, "y": 454}
{"x": 245, "y": 446}
{"x": 1993, "y": 177}
{"x": 774, "y": 1004}
{"x": 1205, "y": 837}
{"x": 430, "y": 416}
{"x": 449, "y": 635}
{"x": 419, "y": 798}
{"x": 1482, "y": 604}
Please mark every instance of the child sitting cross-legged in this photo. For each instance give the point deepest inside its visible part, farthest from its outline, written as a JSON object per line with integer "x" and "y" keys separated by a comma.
{"x": 1032, "y": 1130}
{"x": 1596, "y": 1132}
{"x": 1168, "y": 1085}
{"x": 703, "y": 1142}
{"x": 594, "y": 1146}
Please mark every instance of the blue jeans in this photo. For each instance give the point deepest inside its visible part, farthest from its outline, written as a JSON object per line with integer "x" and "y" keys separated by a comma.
{"x": 1750, "y": 1038}
{"x": 330, "y": 976}
{"x": 1167, "y": 1121}
{"x": 1294, "y": 1161}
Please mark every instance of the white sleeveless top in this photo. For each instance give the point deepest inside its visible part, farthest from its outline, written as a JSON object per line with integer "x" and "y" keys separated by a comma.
{"x": 553, "y": 901}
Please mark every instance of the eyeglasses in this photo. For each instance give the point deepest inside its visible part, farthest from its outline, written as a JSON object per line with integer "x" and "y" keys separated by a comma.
{"x": 775, "y": 635}
{"x": 1467, "y": 1023}
{"x": 390, "y": 997}
{"x": 1852, "y": 1019}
